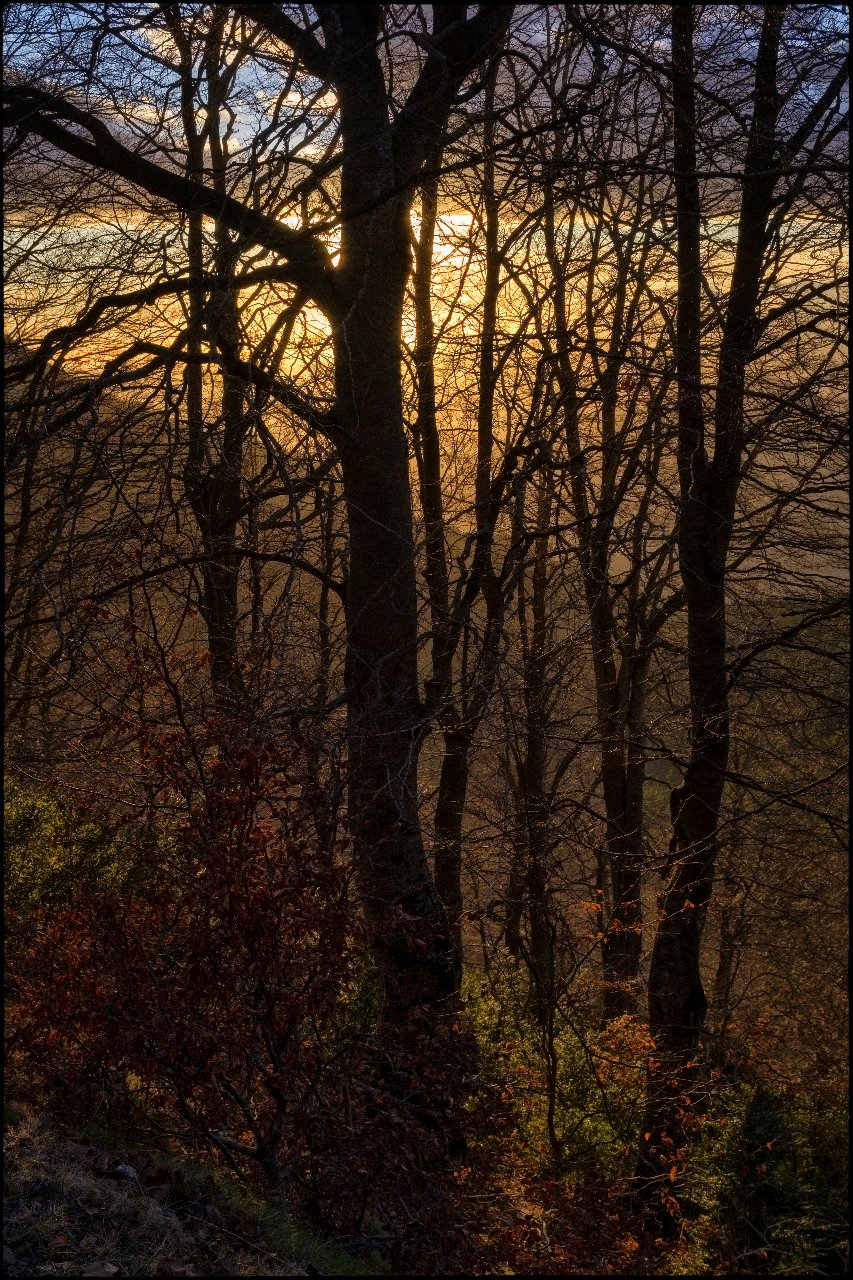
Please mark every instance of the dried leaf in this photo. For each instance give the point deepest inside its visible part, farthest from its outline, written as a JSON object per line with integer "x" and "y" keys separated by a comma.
{"x": 101, "y": 1269}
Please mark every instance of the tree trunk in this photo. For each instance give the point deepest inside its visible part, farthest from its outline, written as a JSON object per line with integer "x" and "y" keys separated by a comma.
{"x": 453, "y": 779}
{"x": 677, "y": 1001}
{"x": 622, "y": 947}
{"x": 449, "y": 811}
{"x": 458, "y": 726}
{"x": 622, "y": 760}
{"x": 406, "y": 921}
{"x": 214, "y": 468}
{"x": 534, "y": 798}
{"x": 386, "y": 721}
{"x": 384, "y": 711}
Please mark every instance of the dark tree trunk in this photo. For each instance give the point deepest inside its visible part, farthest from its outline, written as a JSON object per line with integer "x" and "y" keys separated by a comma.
{"x": 535, "y": 807}
{"x": 708, "y": 490}
{"x": 623, "y": 773}
{"x": 385, "y": 720}
{"x": 416, "y": 957}
{"x": 449, "y": 811}
{"x": 453, "y": 779}
{"x": 619, "y": 692}
{"x": 214, "y": 468}
{"x": 459, "y": 717}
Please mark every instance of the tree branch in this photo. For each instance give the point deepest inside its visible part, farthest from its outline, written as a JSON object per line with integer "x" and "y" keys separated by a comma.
{"x": 456, "y": 48}
{"x": 34, "y": 110}
{"x": 271, "y": 19}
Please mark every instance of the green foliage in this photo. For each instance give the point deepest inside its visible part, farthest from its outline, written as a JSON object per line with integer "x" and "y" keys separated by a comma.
{"x": 50, "y": 850}
{"x": 576, "y": 1090}
{"x": 767, "y": 1183}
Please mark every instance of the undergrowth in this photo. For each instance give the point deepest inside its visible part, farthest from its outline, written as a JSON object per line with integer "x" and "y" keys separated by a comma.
{"x": 78, "y": 1203}
{"x": 147, "y": 987}
{"x": 767, "y": 1183}
{"x": 590, "y": 1078}
{"x": 51, "y": 849}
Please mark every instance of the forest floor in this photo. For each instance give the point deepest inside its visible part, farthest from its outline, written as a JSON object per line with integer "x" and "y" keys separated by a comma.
{"x": 80, "y": 1207}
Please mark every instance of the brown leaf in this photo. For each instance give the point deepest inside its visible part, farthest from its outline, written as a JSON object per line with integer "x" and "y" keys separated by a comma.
{"x": 101, "y": 1269}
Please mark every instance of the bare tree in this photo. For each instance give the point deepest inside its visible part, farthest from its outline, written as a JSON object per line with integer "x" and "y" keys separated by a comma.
{"x": 361, "y": 296}
{"x": 773, "y": 176}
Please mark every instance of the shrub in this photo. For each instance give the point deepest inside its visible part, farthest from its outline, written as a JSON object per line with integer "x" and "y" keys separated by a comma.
{"x": 578, "y": 1092}
{"x": 201, "y": 993}
{"x": 219, "y": 994}
{"x": 768, "y": 1186}
{"x": 50, "y": 849}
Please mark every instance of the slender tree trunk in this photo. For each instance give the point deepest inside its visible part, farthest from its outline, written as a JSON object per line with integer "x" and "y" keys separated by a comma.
{"x": 730, "y": 936}
{"x": 622, "y": 767}
{"x": 213, "y": 472}
{"x": 458, "y": 726}
{"x": 724, "y": 981}
{"x": 515, "y": 893}
{"x": 453, "y": 779}
{"x": 449, "y": 812}
{"x": 624, "y": 793}
{"x": 532, "y": 790}
{"x": 216, "y": 500}
{"x": 708, "y": 490}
